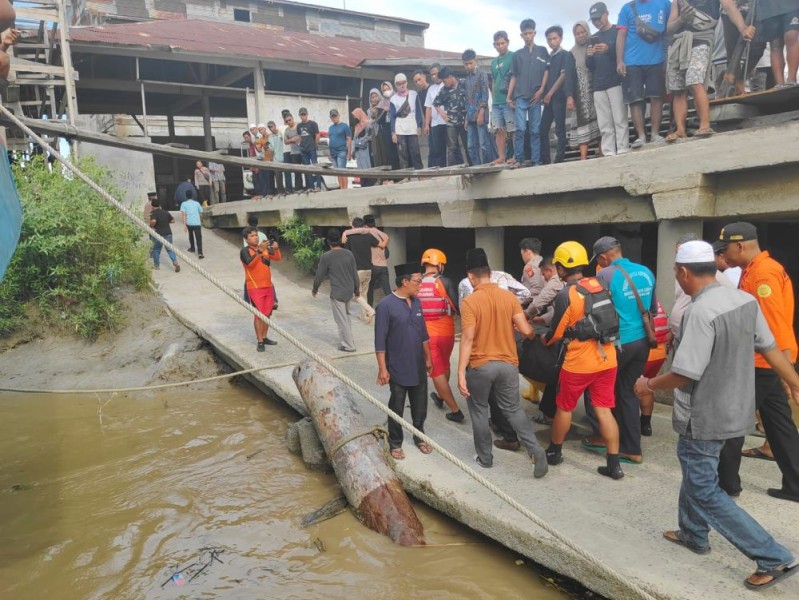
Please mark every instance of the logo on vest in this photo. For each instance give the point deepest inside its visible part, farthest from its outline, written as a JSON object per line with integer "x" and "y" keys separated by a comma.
{"x": 764, "y": 291}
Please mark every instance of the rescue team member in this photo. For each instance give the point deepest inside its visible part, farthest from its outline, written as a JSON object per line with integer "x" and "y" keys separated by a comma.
{"x": 714, "y": 388}
{"x": 488, "y": 363}
{"x": 402, "y": 348}
{"x": 589, "y": 363}
{"x": 766, "y": 280}
{"x": 438, "y": 305}
{"x": 257, "y": 258}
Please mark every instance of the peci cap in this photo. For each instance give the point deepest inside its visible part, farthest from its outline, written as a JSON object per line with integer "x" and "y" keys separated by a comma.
{"x": 597, "y": 10}
{"x": 303, "y": 111}
{"x": 738, "y": 232}
{"x": 400, "y": 77}
{"x": 604, "y": 244}
{"x": 697, "y": 251}
{"x": 261, "y": 126}
{"x": 476, "y": 258}
{"x": 407, "y": 269}
{"x": 152, "y": 194}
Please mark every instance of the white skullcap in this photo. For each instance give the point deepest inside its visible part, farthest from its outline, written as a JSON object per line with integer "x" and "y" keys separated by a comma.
{"x": 252, "y": 125}
{"x": 695, "y": 251}
{"x": 261, "y": 126}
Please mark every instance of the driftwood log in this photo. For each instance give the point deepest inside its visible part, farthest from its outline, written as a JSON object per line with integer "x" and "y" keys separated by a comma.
{"x": 368, "y": 482}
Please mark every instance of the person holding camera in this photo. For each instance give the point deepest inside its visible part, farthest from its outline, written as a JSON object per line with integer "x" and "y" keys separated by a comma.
{"x": 256, "y": 258}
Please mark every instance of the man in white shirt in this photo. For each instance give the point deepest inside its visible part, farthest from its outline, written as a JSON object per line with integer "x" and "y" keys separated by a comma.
{"x": 406, "y": 124}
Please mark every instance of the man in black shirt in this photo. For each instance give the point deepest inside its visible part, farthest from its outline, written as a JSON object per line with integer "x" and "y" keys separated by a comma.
{"x": 160, "y": 220}
{"x": 308, "y": 131}
{"x": 361, "y": 244}
{"x": 451, "y": 105}
{"x": 611, "y": 112}
{"x": 555, "y": 95}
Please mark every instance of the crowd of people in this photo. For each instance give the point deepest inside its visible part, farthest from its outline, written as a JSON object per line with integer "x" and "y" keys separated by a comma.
{"x": 658, "y": 51}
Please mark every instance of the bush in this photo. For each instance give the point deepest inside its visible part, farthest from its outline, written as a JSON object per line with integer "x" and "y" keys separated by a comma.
{"x": 75, "y": 250}
{"x": 306, "y": 247}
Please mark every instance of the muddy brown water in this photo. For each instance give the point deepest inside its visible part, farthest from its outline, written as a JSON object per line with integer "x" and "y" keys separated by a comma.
{"x": 108, "y": 497}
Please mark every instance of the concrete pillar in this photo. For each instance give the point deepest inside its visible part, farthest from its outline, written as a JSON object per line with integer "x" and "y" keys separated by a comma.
{"x": 492, "y": 240}
{"x": 668, "y": 234}
{"x": 261, "y": 112}
{"x": 397, "y": 248}
{"x": 170, "y": 125}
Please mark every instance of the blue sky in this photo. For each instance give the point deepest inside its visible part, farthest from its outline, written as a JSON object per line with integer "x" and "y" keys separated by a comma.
{"x": 474, "y": 22}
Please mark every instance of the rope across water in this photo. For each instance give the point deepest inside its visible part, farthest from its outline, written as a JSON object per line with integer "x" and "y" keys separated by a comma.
{"x": 625, "y": 582}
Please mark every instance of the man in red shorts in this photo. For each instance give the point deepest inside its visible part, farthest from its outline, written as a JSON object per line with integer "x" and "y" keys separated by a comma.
{"x": 256, "y": 259}
{"x": 437, "y": 295}
{"x": 590, "y": 360}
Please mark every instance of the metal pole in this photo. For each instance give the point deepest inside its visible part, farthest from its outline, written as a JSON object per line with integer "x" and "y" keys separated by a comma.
{"x": 143, "y": 101}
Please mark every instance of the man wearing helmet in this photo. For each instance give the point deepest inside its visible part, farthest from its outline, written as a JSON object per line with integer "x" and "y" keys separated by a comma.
{"x": 437, "y": 294}
{"x": 589, "y": 363}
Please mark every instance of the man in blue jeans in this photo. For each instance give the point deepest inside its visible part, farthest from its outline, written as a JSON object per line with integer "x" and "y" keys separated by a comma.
{"x": 714, "y": 400}
{"x": 527, "y": 83}
{"x": 308, "y": 132}
{"x": 481, "y": 149}
{"x": 339, "y": 136}
{"x": 159, "y": 221}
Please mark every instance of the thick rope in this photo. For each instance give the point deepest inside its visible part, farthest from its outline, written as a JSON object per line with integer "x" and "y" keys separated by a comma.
{"x": 234, "y": 294}
{"x": 378, "y": 431}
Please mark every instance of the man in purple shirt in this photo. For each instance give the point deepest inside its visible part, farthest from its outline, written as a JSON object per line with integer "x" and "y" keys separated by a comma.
{"x": 402, "y": 348}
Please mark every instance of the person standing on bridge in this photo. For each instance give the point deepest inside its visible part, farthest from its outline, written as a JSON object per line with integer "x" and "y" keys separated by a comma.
{"x": 202, "y": 181}
{"x": 402, "y": 347}
{"x": 712, "y": 377}
{"x": 338, "y": 265}
{"x": 190, "y": 211}
{"x": 160, "y": 220}
{"x": 257, "y": 257}
{"x": 488, "y": 362}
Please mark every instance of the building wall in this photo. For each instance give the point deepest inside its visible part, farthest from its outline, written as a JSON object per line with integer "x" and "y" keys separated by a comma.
{"x": 262, "y": 14}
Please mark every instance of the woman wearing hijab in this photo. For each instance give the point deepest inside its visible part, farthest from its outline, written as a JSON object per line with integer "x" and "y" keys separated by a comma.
{"x": 585, "y": 129}
{"x": 378, "y": 115}
{"x": 361, "y": 138}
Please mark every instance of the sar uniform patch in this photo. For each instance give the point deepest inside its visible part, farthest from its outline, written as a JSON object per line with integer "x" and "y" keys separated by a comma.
{"x": 764, "y": 290}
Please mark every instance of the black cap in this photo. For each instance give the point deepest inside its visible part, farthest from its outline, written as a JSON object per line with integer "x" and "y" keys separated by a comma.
{"x": 407, "y": 269}
{"x": 604, "y": 244}
{"x": 597, "y": 10}
{"x": 333, "y": 112}
{"x": 719, "y": 247}
{"x": 444, "y": 73}
{"x": 152, "y": 194}
{"x": 738, "y": 232}
{"x": 476, "y": 258}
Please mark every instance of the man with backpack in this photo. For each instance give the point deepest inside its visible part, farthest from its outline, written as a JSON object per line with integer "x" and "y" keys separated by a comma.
{"x": 585, "y": 317}
{"x": 632, "y": 289}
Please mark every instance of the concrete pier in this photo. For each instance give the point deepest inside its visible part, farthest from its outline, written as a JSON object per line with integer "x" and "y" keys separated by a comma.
{"x": 619, "y": 522}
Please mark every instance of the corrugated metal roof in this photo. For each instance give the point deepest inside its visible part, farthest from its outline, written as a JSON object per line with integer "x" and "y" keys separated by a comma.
{"x": 233, "y": 39}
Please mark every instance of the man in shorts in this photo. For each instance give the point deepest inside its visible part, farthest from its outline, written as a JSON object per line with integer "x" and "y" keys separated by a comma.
{"x": 503, "y": 118}
{"x": 588, "y": 365}
{"x": 640, "y": 62}
{"x": 692, "y": 24}
{"x": 778, "y": 23}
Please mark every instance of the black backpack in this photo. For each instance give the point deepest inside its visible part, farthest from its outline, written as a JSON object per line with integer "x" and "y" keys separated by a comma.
{"x": 601, "y": 321}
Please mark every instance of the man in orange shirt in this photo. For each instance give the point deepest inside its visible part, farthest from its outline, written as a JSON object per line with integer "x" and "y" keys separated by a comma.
{"x": 256, "y": 259}
{"x": 438, "y": 305}
{"x": 488, "y": 363}
{"x": 590, "y": 362}
{"x": 767, "y": 281}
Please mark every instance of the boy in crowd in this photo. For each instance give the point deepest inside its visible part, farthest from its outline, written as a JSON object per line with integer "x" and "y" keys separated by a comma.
{"x": 555, "y": 96}
{"x": 502, "y": 117}
{"x": 476, "y": 88}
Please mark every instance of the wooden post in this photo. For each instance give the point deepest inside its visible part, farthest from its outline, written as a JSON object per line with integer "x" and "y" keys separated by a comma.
{"x": 66, "y": 61}
{"x": 363, "y": 472}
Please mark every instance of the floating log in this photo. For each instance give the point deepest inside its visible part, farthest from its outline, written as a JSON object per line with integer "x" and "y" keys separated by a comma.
{"x": 368, "y": 482}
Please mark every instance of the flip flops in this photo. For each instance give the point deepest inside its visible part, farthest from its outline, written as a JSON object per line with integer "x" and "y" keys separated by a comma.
{"x": 424, "y": 447}
{"x": 397, "y": 453}
{"x": 675, "y": 537}
{"x": 777, "y": 575}
{"x": 706, "y": 132}
{"x": 595, "y": 448}
{"x": 757, "y": 453}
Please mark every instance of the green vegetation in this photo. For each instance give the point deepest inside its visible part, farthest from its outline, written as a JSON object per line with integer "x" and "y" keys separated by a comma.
{"x": 305, "y": 245}
{"x": 74, "y": 252}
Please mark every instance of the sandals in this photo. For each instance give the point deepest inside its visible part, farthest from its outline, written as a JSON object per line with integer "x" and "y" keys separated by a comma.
{"x": 777, "y": 575}
{"x": 757, "y": 453}
{"x": 673, "y": 137}
{"x": 424, "y": 447}
{"x": 397, "y": 453}
{"x": 596, "y": 448}
{"x": 675, "y": 537}
{"x": 706, "y": 132}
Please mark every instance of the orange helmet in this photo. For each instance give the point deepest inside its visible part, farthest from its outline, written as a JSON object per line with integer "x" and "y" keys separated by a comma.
{"x": 434, "y": 257}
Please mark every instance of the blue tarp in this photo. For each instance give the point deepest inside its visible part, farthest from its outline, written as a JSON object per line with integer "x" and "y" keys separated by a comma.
{"x": 10, "y": 213}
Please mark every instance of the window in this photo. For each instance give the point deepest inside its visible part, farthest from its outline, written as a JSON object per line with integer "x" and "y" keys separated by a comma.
{"x": 239, "y": 14}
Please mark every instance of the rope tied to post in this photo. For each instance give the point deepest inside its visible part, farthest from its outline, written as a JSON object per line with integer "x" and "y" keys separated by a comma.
{"x": 378, "y": 431}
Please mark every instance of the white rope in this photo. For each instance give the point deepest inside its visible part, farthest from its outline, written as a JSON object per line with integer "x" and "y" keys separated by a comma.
{"x": 611, "y": 572}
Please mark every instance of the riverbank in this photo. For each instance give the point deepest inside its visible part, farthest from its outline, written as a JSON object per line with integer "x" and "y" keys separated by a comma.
{"x": 618, "y": 522}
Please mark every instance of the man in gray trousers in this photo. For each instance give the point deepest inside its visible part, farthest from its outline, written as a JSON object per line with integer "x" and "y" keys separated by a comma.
{"x": 338, "y": 265}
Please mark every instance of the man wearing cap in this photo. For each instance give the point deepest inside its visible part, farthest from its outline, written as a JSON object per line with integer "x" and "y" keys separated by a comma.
{"x": 308, "y": 132}
{"x": 766, "y": 280}
{"x": 488, "y": 362}
{"x": 338, "y": 265}
{"x": 611, "y": 112}
{"x": 451, "y": 107}
{"x": 402, "y": 348}
{"x": 434, "y": 125}
{"x": 624, "y": 278}
{"x": 714, "y": 387}
{"x": 339, "y": 137}
{"x": 406, "y": 124}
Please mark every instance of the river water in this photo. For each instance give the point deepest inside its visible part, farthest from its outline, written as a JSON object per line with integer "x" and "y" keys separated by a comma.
{"x": 106, "y": 497}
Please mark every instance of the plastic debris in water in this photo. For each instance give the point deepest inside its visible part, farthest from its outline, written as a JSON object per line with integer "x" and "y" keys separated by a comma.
{"x": 178, "y": 579}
